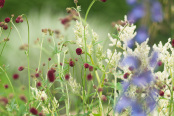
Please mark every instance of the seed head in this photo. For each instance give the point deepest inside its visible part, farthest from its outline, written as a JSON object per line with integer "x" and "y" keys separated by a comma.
{"x": 37, "y": 75}
{"x": 39, "y": 84}
{"x": 79, "y": 51}
{"x": 161, "y": 93}
{"x": 100, "y": 89}
{"x": 86, "y": 65}
{"x": 90, "y": 68}
{"x": 126, "y": 75}
{"x": 15, "y": 76}
{"x": 23, "y": 98}
{"x": 67, "y": 76}
{"x": 5, "y": 27}
{"x": 21, "y": 68}
{"x": 89, "y": 77}
{"x": 7, "y": 19}
{"x": 103, "y": 98}
{"x": 51, "y": 75}
{"x": 41, "y": 114}
{"x": 72, "y": 63}
{"x": 6, "y": 86}
{"x": 33, "y": 111}
{"x": 49, "y": 59}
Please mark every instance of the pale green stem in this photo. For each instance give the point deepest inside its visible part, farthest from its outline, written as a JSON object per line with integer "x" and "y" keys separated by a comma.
{"x": 10, "y": 84}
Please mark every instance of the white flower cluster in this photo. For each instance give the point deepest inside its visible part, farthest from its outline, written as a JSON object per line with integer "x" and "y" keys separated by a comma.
{"x": 76, "y": 88}
{"x": 39, "y": 95}
{"x": 126, "y": 33}
{"x": 79, "y": 33}
{"x": 113, "y": 58}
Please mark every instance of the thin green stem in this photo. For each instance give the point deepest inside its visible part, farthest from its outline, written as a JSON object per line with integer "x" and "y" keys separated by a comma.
{"x": 28, "y": 57}
{"x": 87, "y": 12}
{"x": 10, "y": 84}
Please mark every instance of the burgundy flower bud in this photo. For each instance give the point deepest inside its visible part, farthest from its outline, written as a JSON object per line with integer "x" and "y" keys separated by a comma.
{"x": 65, "y": 20}
{"x": 21, "y": 68}
{"x": 100, "y": 89}
{"x": 41, "y": 114}
{"x": 6, "y": 86}
{"x": 49, "y": 59}
{"x": 61, "y": 64}
{"x": 159, "y": 63}
{"x": 39, "y": 84}
{"x": 126, "y": 75}
{"x": 17, "y": 20}
{"x": 103, "y": 0}
{"x": 51, "y": 76}
{"x": 23, "y": 98}
{"x": 79, "y": 51}
{"x": 4, "y": 101}
{"x": 7, "y": 19}
{"x": 71, "y": 63}
{"x": 37, "y": 75}
{"x": 161, "y": 93}
{"x": 95, "y": 87}
{"x": 33, "y": 111}
{"x": 86, "y": 65}
{"x": 43, "y": 64}
{"x": 173, "y": 42}
{"x": 105, "y": 80}
{"x": 67, "y": 76}
{"x": 90, "y": 68}
{"x": 89, "y": 77}
{"x": 5, "y": 27}
{"x": 131, "y": 68}
{"x": 15, "y": 76}
{"x": 21, "y": 20}
{"x": 2, "y": 3}
{"x": 103, "y": 98}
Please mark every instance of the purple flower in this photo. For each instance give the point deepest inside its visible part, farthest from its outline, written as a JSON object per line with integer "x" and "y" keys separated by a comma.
{"x": 153, "y": 59}
{"x": 131, "y": 2}
{"x": 142, "y": 35}
{"x": 137, "y": 12}
{"x": 143, "y": 78}
{"x": 156, "y": 12}
{"x": 131, "y": 61}
{"x": 137, "y": 110}
{"x": 123, "y": 103}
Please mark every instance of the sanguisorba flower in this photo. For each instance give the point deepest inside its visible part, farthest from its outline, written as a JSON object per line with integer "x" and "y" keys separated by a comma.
{"x": 2, "y": 3}
{"x": 33, "y": 111}
{"x": 51, "y": 75}
{"x": 79, "y": 51}
{"x": 173, "y": 42}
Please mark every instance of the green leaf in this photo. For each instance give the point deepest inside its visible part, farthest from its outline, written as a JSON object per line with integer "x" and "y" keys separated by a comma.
{"x": 62, "y": 98}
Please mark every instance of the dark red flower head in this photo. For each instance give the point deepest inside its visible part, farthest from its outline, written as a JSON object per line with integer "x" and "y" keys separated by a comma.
{"x": 100, "y": 89}
{"x": 6, "y": 86}
{"x": 103, "y": 0}
{"x": 41, "y": 114}
{"x": 126, "y": 75}
{"x": 79, "y": 51}
{"x": 15, "y": 76}
{"x": 7, "y": 19}
{"x": 173, "y": 42}
{"x": 86, "y": 65}
{"x": 33, "y": 111}
{"x": 39, "y": 84}
{"x": 71, "y": 63}
{"x": 161, "y": 93}
{"x": 2, "y": 3}
{"x": 23, "y": 98}
{"x": 159, "y": 63}
{"x": 89, "y": 77}
{"x": 4, "y": 100}
{"x": 67, "y": 76}
{"x": 21, "y": 68}
{"x": 51, "y": 75}
{"x": 90, "y": 68}
{"x": 37, "y": 75}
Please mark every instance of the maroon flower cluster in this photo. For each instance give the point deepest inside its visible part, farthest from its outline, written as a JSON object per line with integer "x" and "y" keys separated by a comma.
{"x": 2, "y": 3}
{"x": 173, "y": 42}
{"x": 19, "y": 19}
{"x": 51, "y": 75}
